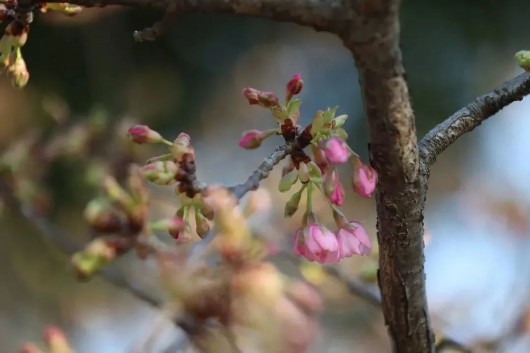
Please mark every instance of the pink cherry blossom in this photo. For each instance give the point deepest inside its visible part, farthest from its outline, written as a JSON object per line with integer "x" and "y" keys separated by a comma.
{"x": 317, "y": 243}
{"x": 364, "y": 180}
{"x": 336, "y": 151}
{"x": 353, "y": 239}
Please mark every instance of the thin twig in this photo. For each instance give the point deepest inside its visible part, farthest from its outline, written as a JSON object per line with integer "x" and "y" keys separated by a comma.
{"x": 262, "y": 171}
{"x": 355, "y": 287}
{"x": 471, "y": 116}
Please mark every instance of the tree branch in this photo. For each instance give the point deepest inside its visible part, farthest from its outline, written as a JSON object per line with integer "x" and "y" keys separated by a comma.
{"x": 262, "y": 172}
{"x": 355, "y": 288}
{"x": 471, "y": 116}
{"x": 328, "y": 15}
{"x": 373, "y": 38}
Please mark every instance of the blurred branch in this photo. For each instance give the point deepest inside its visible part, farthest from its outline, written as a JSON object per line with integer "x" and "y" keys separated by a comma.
{"x": 355, "y": 287}
{"x": 329, "y": 15}
{"x": 59, "y": 238}
{"x": 471, "y": 116}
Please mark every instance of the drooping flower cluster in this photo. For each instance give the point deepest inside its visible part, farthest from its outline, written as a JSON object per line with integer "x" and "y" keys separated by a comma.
{"x": 16, "y": 34}
{"x": 326, "y": 138}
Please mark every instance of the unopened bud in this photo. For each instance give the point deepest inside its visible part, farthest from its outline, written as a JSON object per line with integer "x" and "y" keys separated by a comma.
{"x": 207, "y": 210}
{"x": 18, "y": 71}
{"x": 174, "y": 226}
{"x": 268, "y": 99}
{"x": 294, "y": 86}
{"x": 303, "y": 173}
{"x": 161, "y": 172}
{"x": 292, "y": 205}
{"x": 251, "y": 95}
{"x": 523, "y": 59}
{"x": 263, "y": 99}
{"x": 288, "y": 180}
{"x": 117, "y": 194}
{"x": 143, "y": 134}
{"x": 182, "y": 146}
{"x": 96, "y": 255}
{"x": 315, "y": 175}
{"x": 364, "y": 179}
{"x": 251, "y": 139}
{"x": 102, "y": 217}
{"x": 56, "y": 340}
{"x": 201, "y": 224}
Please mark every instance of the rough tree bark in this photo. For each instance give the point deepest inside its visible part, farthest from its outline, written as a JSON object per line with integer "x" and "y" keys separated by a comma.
{"x": 374, "y": 41}
{"x": 370, "y": 30}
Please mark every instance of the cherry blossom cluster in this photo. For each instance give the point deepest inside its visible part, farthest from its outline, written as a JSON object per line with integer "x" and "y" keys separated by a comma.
{"x": 121, "y": 214}
{"x": 176, "y": 168}
{"x": 16, "y": 34}
{"x": 326, "y": 138}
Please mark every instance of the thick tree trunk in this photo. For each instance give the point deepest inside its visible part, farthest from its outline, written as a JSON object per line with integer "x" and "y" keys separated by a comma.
{"x": 374, "y": 42}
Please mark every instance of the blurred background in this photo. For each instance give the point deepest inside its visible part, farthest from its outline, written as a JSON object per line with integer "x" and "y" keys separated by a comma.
{"x": 88, "y": 70}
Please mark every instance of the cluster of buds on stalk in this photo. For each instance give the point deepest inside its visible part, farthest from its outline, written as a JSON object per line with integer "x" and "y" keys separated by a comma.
{"x": 55, "y": 340}
{"x": 176, "y": 168}
{"x": 120, "y": 214}
{"x": 326, "y": 138}
{"x": 16, "y": 34}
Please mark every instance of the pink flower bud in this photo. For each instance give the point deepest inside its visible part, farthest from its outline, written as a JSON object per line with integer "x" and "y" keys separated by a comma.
{"x": 317, "y": 243}
{"x": 364, "y": 179}
{"x": 336, "y": 150}
{"x": 268, "y": 99}
{"x": 353, "y": 239}
{"x": 294, "y": 86}
{"x": 251, "y": 94}
{"x": 252, "y": 139}
{"x": 143, "y": 134}
{"x": 263, "y": 99}
{"x": 337, "y": 195}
